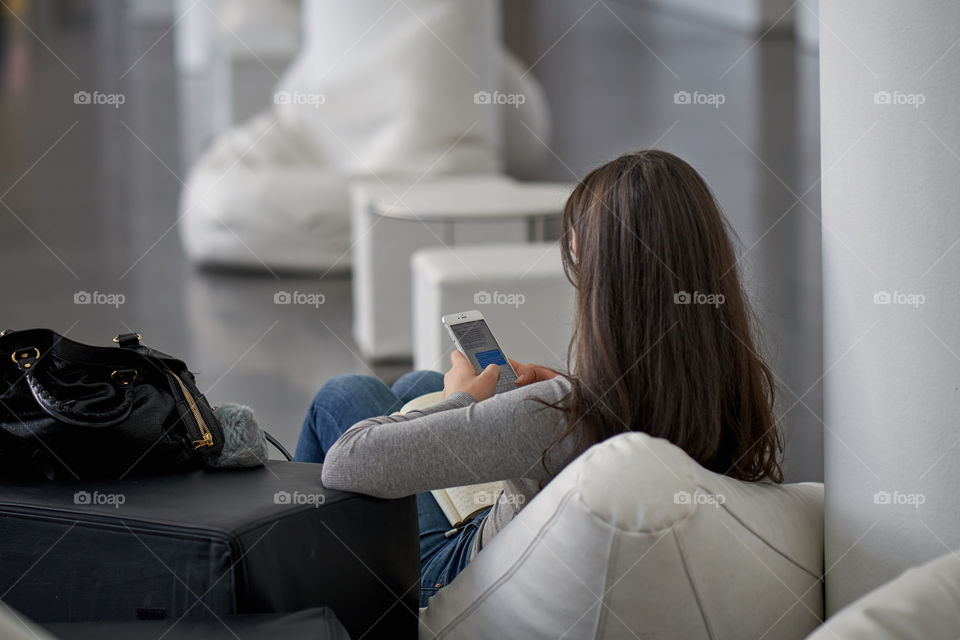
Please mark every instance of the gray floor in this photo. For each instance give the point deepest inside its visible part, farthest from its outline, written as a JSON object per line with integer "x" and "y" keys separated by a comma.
{"x": 89, "y": 195}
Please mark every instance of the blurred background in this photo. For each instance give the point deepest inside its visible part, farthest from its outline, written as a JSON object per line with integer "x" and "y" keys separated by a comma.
{"x": 113, "y": 112}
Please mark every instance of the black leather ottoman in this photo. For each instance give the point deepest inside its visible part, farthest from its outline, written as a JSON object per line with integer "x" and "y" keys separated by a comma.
{"x": 310, "y": 624}
{"x": 209, "y": 544}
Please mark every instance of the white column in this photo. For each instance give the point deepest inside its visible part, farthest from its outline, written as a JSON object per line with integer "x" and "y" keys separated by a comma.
{"x": 890, "y": 73}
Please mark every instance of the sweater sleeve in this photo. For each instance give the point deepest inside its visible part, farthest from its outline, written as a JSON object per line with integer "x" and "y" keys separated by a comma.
{"x": 456, "y": 442}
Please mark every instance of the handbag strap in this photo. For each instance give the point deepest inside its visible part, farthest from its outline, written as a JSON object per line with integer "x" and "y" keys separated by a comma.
{"x": 128, "y": 340}
{"x": 276, "y": 443}
{"x": 65, "y": 413}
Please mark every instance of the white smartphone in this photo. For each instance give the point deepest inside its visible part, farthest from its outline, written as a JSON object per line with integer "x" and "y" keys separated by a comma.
{"x": 474, "y": 339}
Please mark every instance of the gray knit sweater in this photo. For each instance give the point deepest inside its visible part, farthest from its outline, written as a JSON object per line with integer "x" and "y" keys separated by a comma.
{"x": 458, "y": 442}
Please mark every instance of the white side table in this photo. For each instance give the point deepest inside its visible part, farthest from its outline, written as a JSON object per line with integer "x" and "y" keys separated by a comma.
{"x": 521, "y": 290}
{"x": 391, "y": 221}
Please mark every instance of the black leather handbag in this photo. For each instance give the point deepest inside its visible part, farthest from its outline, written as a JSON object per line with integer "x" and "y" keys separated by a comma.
{"x": 70, "y": 410}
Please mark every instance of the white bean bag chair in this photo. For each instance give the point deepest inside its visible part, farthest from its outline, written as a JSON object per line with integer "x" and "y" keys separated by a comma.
{"x": 376, "y": 92}
{"x": 636, "y": 540}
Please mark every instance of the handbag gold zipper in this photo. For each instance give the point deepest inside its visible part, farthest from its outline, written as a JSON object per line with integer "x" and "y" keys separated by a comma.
{"x": 197, "y": 416}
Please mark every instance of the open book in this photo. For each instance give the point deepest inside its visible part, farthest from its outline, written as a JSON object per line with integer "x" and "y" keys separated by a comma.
{"x": 457, "y": 502}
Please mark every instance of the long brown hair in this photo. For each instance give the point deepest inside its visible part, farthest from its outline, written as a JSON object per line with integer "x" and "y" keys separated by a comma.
{"x": 665, "y": 337}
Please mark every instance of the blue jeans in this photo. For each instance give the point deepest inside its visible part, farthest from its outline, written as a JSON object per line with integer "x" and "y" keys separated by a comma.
{"x": 347, "y": 400}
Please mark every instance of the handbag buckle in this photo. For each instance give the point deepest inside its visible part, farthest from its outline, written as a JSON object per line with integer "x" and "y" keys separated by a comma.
{"x": 124, "y": 377}
{"x": 25, "y": 358}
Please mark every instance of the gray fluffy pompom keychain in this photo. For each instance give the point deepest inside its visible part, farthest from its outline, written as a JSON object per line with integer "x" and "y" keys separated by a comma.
{"x": 244, "y": 442}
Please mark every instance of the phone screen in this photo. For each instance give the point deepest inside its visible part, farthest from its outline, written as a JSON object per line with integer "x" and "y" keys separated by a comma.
{"x": 482, "y": 349}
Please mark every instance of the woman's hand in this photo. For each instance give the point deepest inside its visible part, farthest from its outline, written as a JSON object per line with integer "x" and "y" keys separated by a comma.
{"x": 462, "y": 377}
{"x": 530, "y": 373}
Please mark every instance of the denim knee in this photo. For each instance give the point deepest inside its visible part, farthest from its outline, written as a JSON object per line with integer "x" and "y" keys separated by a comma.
{"x": 354, "y": 397}
{"x": 417, "y": 383}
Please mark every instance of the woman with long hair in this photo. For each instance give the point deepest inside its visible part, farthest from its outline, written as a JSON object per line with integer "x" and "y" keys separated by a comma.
{"x": 664, "y": 343}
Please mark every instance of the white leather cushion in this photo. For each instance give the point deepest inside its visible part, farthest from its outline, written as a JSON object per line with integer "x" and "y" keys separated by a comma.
{"x": 634, "y": 539}
{"x": 13, "y": 626}
{"x": 923, "y": 603}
